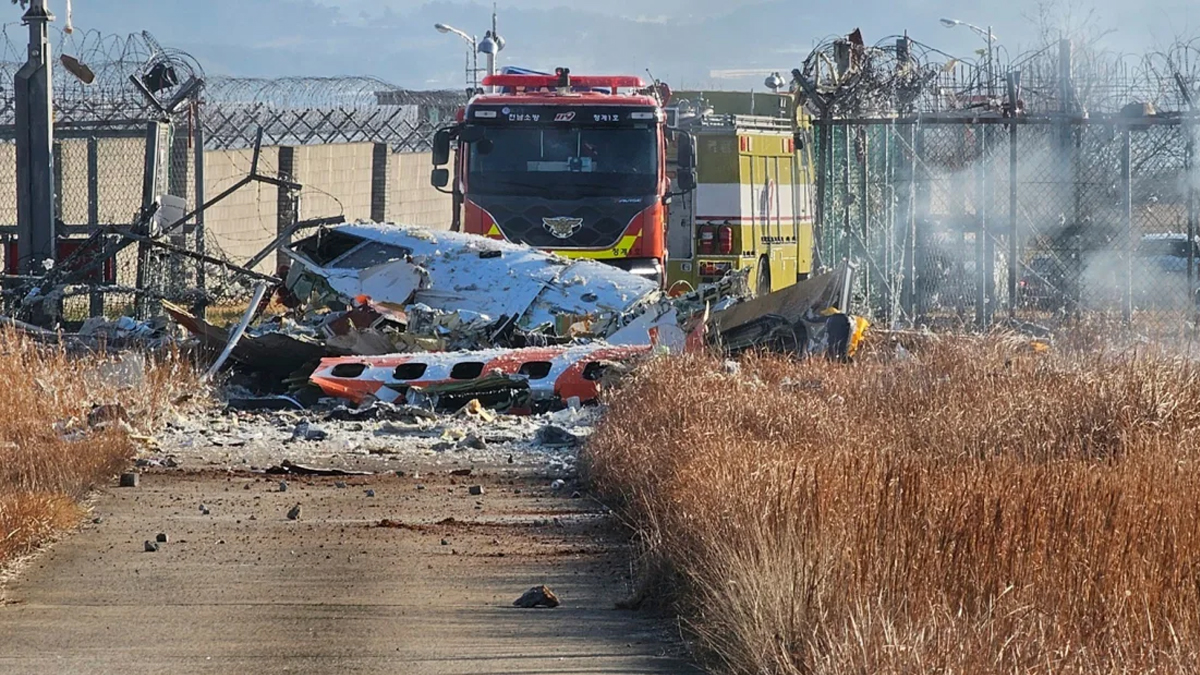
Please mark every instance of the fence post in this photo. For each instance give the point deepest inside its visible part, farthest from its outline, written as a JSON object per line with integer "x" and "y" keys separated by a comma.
{"x": 288, "y": 202}
{"x": 1013, "y": 246}
{"x": 1189, "y": 127}
{"x": 1127, "y": 200}
{"x": 981, "y": 230}
{"x": 824, "y": 139}
{"x": 907, "y": 171}
{"x": 149, "y": 183}
{"x": 864, "y": 206}
{"x": 95, "y": 297}
{"x": 198, "y": 177}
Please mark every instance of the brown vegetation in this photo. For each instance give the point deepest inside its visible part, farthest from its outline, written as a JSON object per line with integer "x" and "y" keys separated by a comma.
{"x": 50, "y": 456}
{"x": 981, "y": 508}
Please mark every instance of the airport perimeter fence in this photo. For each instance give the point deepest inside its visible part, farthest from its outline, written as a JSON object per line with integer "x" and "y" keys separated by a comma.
{"x": 967, "y": 222}
{"x": 116, "y": 152}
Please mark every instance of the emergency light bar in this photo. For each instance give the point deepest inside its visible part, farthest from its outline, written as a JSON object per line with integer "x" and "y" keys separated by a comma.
{"x": 552, "y": 81}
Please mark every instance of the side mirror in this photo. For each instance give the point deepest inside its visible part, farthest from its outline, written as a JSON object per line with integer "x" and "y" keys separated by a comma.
{"x": 441, "y": 147}
{"x": 686, "y": 179}
{"x": 439, "y": 178}
{"x": 687, "y": 151}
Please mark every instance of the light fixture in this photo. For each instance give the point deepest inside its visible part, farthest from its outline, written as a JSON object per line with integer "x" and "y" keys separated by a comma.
{"x": 950, "y": 23}
{"x": 774, "y": 81}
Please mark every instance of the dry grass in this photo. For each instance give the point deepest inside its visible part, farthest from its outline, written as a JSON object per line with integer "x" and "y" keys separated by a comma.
{"x": 978, "y": 509}
{"x": 50, "y": 458}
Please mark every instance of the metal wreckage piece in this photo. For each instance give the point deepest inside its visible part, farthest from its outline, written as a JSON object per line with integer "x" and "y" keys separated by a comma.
{"x": 396, "y": 313}
{"x": 511, "y": 380}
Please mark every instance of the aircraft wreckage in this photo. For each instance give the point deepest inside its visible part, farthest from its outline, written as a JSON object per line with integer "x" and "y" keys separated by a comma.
{"x": 397, "y": 313}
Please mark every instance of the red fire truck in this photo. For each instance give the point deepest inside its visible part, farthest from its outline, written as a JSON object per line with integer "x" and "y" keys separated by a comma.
{"x": 576, "y": 165}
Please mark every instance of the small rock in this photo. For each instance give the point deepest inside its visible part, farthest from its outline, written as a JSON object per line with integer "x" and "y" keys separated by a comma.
{"x": 445, "y": 543}
{"x": 246, "y": 486}
{"x": 553, "y": 436}
{"x": 161, "y": 538}
{"x": 294, "y": 513}
{"x": 204, "y": 510}
{"x": 308, "y": 432}
{"x": 370, "y": 493}
{"x": 151, "y": 547}
{"x": 340, "y": 485}
{"x": 283, "y": 486}
{"x": 97, "y": 520}
{"x": 475, "y": 490}
{"x": 538, "y": 596}
{"x": 130, "y": 480}
{"x": 420, "y": 487}
{"x": 473, "y": 441}
{"x": 461, "y": 472}
{"x": 510, "y": 459}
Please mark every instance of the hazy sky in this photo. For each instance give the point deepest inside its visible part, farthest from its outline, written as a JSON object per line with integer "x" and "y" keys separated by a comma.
{"x": 679, "y": 40}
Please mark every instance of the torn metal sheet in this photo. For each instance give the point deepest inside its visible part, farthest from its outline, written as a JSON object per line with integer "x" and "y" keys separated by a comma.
{"x": 806, "y": 318}
{"x": 550, "y": 373}
{"x": 271, "y": 352}
{"x": 454, "y": 271}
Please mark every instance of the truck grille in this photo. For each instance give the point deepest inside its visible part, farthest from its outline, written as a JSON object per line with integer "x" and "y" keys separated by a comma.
{"x": 520, "y": 219}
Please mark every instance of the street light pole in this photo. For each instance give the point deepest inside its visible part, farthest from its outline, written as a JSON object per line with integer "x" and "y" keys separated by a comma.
{"x": 951, "y": 23}
{"x": 472, "y": 55}
{"x": 35, "y": 146}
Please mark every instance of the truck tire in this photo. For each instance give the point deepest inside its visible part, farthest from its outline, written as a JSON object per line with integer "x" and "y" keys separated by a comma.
{"x": 763, "y": 283}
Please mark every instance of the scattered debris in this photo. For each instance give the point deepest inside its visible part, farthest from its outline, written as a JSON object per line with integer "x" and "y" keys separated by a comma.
{"x": 475, "y": 490}
{"x": 287, "y": 467}
{"x": 294, "y": 513}
{"x": 130, "y": 479}
{"x": 553, "y": 436}
{"x": 150, "y": 546}
{"x": 308, "y": 432}
{"x": 538, "y": 596}
{"x": 161, "y": 538}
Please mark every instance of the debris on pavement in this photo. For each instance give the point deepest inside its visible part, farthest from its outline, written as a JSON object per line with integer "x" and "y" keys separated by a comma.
{"x": 538, "y": 596}
{"x": 150, "y": 546}
{"x": 130, "y": 480}
{"x": 553, "y": 436}
{"x": 294, "y": 513}
{"x": 287, "y": 467}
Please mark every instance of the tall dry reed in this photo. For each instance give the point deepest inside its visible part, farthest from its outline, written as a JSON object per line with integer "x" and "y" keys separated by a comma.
{"x": 977, "y": 509}
{"x": 50, "y": 456}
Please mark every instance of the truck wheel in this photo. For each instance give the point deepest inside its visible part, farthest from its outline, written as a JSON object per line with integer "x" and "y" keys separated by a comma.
{"x": 763, "y": 285}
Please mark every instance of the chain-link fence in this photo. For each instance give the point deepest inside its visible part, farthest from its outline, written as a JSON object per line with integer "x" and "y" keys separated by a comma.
{"x": 961, "y": 221}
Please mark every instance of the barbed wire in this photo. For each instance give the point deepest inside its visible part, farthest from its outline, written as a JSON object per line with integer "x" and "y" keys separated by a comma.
{"x": 110, "y": 59}
{"x": 297, "y": 93}
{"x": 900, "y": 75}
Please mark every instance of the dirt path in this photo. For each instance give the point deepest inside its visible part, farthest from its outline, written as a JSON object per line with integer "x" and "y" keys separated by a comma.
{"x": 243, "y": 589}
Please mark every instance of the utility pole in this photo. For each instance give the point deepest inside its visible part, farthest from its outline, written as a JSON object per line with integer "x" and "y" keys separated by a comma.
{"x": 35, "y": 141}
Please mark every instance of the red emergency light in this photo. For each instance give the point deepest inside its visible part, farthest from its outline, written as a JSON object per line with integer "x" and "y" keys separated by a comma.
{"x": 613, "y": 82}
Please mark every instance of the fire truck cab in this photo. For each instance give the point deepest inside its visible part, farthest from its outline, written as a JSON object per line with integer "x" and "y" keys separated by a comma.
{"x": 576, "y": 165}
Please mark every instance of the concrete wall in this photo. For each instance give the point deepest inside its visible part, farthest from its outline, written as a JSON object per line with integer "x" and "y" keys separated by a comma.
{"x": 358, "y": 180}
{"x": 241, "y": 224}
{"x": 411, "y": 199}
{"x": 336, "y": 179}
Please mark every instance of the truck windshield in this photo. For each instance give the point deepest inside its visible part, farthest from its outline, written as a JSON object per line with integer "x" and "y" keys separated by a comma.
{"x": 566, "y": 162}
